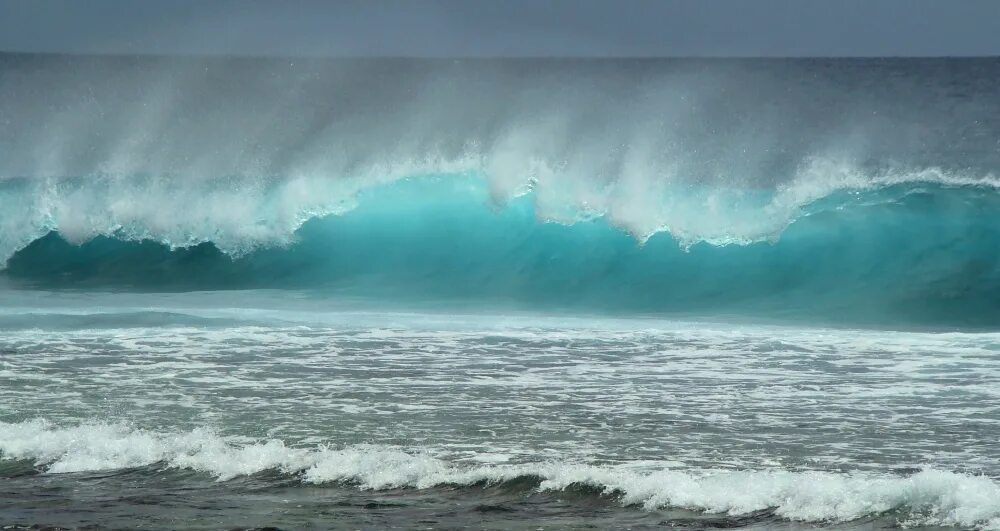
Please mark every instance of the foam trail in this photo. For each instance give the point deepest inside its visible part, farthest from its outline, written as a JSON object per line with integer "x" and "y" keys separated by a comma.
{"x": 929, "y": 497}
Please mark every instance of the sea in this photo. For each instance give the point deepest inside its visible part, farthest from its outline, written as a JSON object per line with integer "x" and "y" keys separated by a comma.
{"x": 286, "y": 293}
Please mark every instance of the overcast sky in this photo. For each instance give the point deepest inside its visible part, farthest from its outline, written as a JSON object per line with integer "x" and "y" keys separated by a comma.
{"x": 468, "y": 28}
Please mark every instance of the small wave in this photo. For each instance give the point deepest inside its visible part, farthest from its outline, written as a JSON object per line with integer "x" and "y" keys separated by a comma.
{"x": 928, "y": 497}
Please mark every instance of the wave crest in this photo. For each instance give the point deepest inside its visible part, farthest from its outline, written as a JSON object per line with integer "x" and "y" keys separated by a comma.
{"x": 240, "y": 215}
{"x": 915, "y": 247}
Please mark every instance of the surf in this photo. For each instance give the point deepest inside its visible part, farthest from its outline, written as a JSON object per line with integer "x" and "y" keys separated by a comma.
{"x": 925, "y": 497}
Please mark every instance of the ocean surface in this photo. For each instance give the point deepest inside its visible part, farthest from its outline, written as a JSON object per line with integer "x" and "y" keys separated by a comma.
{"x": 507, "y": 294}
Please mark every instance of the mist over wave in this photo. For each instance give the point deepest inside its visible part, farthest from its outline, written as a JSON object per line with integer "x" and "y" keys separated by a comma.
{"x": 831, "y": 187}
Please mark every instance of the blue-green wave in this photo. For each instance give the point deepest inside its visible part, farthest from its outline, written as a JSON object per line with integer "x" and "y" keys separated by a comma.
{"x": 913, "y": 252}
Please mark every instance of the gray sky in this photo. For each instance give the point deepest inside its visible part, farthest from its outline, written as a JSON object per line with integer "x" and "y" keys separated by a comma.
{"x": 467, "y": 28}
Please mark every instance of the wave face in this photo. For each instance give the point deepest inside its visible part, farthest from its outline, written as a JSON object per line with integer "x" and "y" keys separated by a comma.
{"x": 840, "y": 190}
{"x": 914, "y": 251}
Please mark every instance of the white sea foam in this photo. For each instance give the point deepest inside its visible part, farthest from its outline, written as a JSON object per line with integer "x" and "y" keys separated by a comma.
{"x": 240, "y": 215}
{"x": 929, "y": 497}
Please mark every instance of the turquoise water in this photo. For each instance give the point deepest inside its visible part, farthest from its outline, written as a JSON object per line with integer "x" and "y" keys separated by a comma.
{"x": 913, "y": 253}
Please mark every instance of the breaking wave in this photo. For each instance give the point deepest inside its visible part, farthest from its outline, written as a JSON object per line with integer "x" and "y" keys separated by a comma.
{"x": 908, "y": 247}
{"x": 836, "y": 189}
{"x": 928, "y": 497}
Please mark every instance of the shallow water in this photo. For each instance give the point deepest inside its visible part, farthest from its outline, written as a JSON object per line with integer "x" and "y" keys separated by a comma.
{"x": 376, "y": 419}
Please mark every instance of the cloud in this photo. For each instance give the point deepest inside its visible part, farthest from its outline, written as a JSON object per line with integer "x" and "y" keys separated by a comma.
{"x": 453, "y": 28}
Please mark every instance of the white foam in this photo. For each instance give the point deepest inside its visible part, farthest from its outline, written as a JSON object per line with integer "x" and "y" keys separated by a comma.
{"x": 239, "y": 215}
{"x": 929, "y": 497}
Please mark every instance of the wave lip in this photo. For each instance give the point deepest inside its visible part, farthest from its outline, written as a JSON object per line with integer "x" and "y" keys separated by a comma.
{"x": 928, "y": 497}
{"x": 241, "y": 215}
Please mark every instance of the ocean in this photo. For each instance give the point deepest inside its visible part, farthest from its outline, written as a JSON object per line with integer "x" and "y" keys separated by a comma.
{"x": 507, "y": 294}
